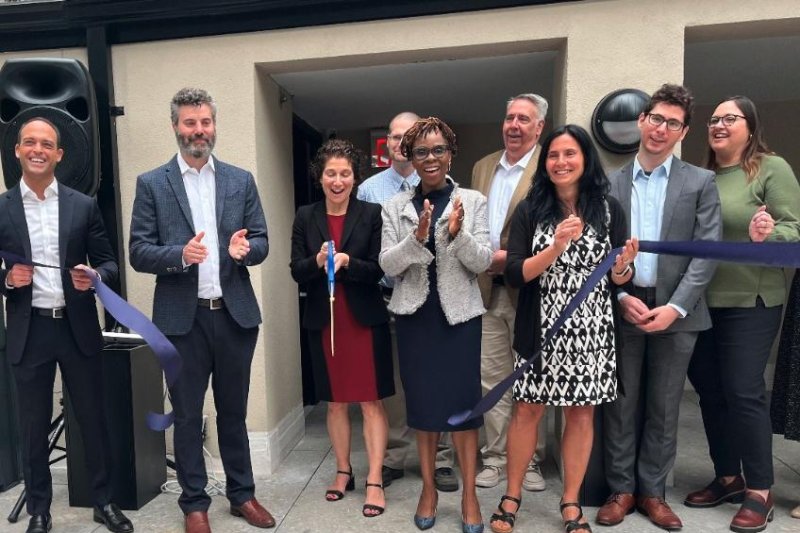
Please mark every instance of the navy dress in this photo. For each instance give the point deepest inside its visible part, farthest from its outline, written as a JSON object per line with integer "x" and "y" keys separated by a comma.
{"x": 440, "y": 364}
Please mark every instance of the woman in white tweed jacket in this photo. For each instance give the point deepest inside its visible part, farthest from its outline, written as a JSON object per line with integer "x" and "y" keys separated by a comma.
{"x": 435, "y": 241}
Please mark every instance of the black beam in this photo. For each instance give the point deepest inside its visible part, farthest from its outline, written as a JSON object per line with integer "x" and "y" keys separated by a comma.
{"x": 108, "y": 196}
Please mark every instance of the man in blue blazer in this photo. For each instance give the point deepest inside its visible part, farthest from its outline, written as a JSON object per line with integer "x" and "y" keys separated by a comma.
{"x": 197, "y": 225}
{"x": 52, "y": 318}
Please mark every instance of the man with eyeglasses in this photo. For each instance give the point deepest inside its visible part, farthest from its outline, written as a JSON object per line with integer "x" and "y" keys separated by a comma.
{"x": 663, "y": 309}
{"x": 401, "y": 176}
{"x": 504, "y": 177}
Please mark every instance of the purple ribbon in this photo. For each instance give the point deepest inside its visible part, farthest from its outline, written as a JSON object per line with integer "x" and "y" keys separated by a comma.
{"x": 127, "y": 315}
{"x": 774, "y": 254}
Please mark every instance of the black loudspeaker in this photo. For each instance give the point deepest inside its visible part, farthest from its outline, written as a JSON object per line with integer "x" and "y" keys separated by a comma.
{"x": 60, "y": 90}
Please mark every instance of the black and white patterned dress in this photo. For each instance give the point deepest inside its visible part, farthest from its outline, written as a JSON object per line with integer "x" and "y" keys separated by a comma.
{"x": 578, "y": 367}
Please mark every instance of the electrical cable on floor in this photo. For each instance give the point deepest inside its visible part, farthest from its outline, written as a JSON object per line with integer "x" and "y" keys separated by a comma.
{"x": 215, "y": 486}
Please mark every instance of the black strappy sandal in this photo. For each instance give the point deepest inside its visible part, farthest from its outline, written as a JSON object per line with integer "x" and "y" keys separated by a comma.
{"x": 370, "y": 506}
{"x": 507, "y": 517}
{"x": 333, "y": 495}
{"x": 574, "y": 524}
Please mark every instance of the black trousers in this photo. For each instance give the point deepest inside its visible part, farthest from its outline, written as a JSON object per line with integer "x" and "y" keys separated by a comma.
{"x": 50, "y": 342}
{"x": 216, "y": 346}
{"x": 727, "y": 371}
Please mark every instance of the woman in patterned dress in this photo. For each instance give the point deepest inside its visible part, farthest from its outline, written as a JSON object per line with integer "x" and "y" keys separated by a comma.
{"x": 559, "y": 234}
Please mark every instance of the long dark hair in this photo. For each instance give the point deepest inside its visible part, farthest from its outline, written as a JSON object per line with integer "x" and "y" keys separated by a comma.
{"x": 756, "y": 146}
{"x": 592, "y": 188}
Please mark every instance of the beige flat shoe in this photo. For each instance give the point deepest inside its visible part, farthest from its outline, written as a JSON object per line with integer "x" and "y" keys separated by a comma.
{"x": 795, "y": 512}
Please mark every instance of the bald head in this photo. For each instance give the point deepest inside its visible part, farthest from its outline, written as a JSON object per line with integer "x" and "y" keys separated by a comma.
{"x": 400, "y": 124}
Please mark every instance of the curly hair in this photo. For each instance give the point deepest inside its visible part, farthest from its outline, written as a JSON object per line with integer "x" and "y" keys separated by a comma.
{"x": 592, "y": 188}
{"x": 756, "y": 146}
{"x": 338, "y": 148}
{"x": 424, "y": 127}
{"x": 676, "y": 95}
{"x": 192, "y": 97}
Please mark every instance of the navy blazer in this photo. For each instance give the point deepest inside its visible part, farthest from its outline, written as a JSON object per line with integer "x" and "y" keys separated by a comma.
{"x": 81, "y": 236}
{"x": 361, "y": 239}
{"x": 161, "y": 226}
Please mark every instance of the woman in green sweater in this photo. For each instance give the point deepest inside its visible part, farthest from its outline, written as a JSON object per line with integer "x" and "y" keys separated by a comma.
{"x": 760, "y": 202}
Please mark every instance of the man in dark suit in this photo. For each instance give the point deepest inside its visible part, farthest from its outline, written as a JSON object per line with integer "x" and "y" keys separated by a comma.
{"x": 197, "y": 225}
{"x": 52, "y": 318}
{"x": 663, "y": 310}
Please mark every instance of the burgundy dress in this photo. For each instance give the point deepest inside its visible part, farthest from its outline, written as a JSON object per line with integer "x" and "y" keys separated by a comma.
{"x": 352, "y": 373}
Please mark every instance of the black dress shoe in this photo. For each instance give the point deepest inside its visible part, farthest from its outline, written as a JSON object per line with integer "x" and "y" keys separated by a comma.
{"x": 112, "y": 517}
{"x": 389, "y": 474}
{"x": 40, "y": 523}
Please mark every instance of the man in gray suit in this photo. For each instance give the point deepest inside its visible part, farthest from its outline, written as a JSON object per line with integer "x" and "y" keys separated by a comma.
{"x": 197, "y": 225}
{"x": 663, "y": 309}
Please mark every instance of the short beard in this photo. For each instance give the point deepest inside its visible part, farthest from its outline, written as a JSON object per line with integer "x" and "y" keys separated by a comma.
{"x": 187, "y": 146}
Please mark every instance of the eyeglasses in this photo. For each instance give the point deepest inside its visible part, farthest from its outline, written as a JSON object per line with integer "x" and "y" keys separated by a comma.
{"x": 420, "y": 153}
{"x": 395, "y": 138}
{"x": 727, "y": 120}
{"x": 657, "y": 120}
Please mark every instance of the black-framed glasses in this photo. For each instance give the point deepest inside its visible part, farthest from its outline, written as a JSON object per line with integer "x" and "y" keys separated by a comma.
{"x": 673, "y": 124}
{"x": 727, "y": 120}
{"x": 420, "y": 153}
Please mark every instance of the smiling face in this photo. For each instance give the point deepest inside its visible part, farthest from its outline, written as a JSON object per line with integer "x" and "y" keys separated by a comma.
{"x": 658, "y": 142}
{"x": 38, "y": 152}
{"x": 565, "y": 163}
{"x": 522, "y": 127}
{"x": 195, "y": 131}
{"x": 397, "y": 129}
{"x": 337, "y": 183}
{"x": 729, "y": 142}
{"x": 432, "y": 170}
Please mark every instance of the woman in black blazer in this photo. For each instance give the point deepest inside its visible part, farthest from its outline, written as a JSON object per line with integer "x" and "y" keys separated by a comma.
{"x": 359, "y": 369}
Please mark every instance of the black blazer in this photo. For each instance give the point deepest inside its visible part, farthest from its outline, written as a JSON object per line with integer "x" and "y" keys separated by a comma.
{"x": 361, "y": 240}
{"x": 81, "y": 235}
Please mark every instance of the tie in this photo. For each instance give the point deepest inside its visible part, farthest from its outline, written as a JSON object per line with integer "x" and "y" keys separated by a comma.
{"x": 404, "y": 186}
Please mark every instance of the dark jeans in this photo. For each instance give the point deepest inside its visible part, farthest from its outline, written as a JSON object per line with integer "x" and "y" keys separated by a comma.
{"x": 727, "y": 371}
{"x": 215, "y": 345}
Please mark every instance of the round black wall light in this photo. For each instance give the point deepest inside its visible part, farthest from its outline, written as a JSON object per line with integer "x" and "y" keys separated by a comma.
{"x": 614, "y": 120}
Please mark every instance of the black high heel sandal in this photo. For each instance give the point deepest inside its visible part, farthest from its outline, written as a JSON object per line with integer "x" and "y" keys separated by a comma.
{"x": 370, "y": 506}
{"x": 574, "y": 524}
{"x": 506, "y": 517}
{"x": 333, "y": 495}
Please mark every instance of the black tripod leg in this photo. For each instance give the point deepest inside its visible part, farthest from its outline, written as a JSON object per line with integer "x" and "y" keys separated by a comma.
{"x": 14, "y": 516}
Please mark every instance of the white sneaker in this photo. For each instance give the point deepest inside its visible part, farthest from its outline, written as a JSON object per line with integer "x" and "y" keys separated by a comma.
{"x": 533, "y": 478}
{"x": 490, "y": 476}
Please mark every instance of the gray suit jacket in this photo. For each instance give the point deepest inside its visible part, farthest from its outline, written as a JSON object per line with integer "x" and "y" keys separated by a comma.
{"x": 691, "y": 213}
{"x": 162, "y": 225}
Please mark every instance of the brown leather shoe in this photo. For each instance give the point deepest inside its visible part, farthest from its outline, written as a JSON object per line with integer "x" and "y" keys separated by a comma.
{"x": 255, "y": 515}
{"x": 659, "y": 513}
{"x": 716, "y": 493}
{"x": 617, "y": 506}
{"x": 754, "y": 514}
{"x": 197, "y": 522}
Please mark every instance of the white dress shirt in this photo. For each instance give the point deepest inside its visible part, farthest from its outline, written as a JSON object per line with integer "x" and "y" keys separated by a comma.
{"x": 506, "y": 179}
{"x": 41, "y": 217}
{"x": 202, "y": 192}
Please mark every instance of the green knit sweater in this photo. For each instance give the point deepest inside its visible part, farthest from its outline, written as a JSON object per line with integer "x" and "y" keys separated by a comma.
{"x": 737, "y": 285}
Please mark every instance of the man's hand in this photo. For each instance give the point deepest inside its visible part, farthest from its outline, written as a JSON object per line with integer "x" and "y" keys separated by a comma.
{"x": 498, "y": 264}
{"x": 633, "y": 309}
{"x": 20, "y": 275}
{"x": 82, "y": 277}
{"x": 659, "y": 319}
{"x": 239, "y": 246}
{"x": 195, "y": 251}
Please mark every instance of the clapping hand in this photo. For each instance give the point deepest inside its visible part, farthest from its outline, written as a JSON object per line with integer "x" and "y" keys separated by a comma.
{"x": 239, "y": 246}
{"x": 567, "y": 230}
{"x": 456, "y": 217}
{"x": 626, "y": 257}
{"x": 761, "y": 225}
{"x": 421, "y": 233}
{"x": 195, "y": 251}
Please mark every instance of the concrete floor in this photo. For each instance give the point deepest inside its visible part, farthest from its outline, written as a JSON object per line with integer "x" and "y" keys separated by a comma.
{"x": 294, "y": 494}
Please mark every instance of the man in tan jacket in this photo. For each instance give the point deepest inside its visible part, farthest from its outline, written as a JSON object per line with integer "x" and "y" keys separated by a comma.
{"x": 504, "y": 177}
